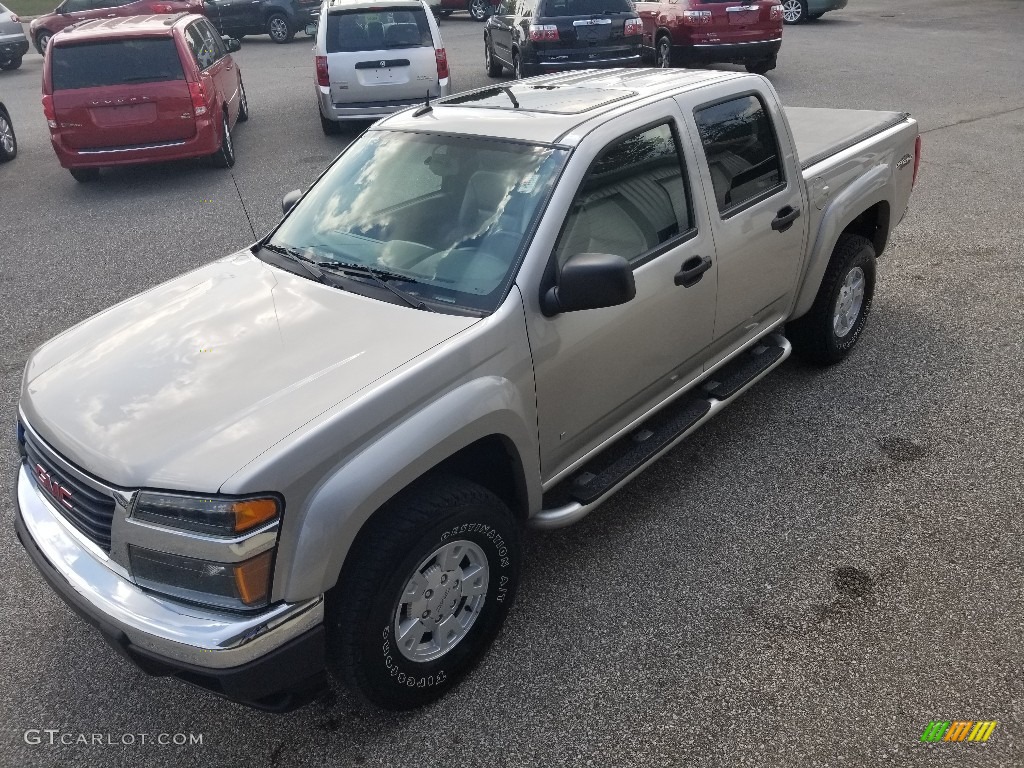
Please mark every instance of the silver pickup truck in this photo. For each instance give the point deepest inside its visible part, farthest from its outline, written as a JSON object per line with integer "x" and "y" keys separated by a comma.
{"x": 313, "y": 457}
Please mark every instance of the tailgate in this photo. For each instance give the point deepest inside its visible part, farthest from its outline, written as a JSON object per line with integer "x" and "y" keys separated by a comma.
{"x": 383, "y": 75}
{"x": 737, "y": 22}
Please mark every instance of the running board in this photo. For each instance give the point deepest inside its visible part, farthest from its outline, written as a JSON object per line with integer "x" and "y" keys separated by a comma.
{"x": 580, "y": 494}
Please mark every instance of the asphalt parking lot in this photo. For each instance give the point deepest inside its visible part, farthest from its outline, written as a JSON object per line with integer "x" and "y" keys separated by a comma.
{"x": 809, "y": 581}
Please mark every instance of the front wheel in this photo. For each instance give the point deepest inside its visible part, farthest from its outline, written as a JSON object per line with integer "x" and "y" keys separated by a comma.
{"x": 493, "y": 67}
{"x": 42, "y": 40}
{"x": 794, "y": 11}
{"x": 11, "y": 64}
{"x": 829, "y": 331}
{"x": 279, "y": 29}
{"x": 423, "y": 593}
{"x": 479, "y": 10}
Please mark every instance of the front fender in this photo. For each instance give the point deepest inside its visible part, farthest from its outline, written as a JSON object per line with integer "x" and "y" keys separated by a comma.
{"x": 340, "y": 505}
{"x": 874, "y": 186}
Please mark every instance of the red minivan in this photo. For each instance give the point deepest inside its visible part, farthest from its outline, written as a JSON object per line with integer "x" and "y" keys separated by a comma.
{"x": 142, "y": 89}
{"x": 698, "y": 32}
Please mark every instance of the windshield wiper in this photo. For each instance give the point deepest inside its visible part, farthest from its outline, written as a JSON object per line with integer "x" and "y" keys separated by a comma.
{"x": 295, "y": 255}
{"x": 381, "y": 277}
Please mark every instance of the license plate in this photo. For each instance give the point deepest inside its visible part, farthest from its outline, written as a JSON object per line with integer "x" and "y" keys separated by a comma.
{"x": 742, "y": 14}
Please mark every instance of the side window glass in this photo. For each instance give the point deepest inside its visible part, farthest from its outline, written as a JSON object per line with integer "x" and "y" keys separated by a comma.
{"x": 216, "y": 40}
{"x": 197, "y": 44}
{"x": 632, "y": 199}
{"x": 74, "y": 6}
{"x": 741, "y": 150}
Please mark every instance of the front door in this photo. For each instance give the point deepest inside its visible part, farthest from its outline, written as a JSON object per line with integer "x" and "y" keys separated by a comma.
{"x": 597, "y": 370}
{"x": 756, "y": 211}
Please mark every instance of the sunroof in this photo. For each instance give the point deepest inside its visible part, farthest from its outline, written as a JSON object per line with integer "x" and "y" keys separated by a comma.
{"x": 541, "y": 98}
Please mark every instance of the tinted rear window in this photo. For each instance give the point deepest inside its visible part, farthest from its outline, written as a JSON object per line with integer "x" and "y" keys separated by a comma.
{"x": 377, "y": 30}
{"x": 115, "y": 63}
{"x": 585, "y": 7}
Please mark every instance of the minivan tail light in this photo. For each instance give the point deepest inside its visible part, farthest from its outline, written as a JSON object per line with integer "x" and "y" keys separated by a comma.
{"x": 322, "y": 76}
{"x": 633, "y": 27}
{"x": 696, "y": 18}
{"x": 48, "y": 112}
{"x": 776, "y": 13}
{"x": 540, "y": 33}
{"x": 198, "y": 94}
{"x": 917, "y": 159}
{"x": 442, "y": 63}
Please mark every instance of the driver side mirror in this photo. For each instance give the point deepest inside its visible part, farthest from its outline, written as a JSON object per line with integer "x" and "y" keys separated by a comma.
{"x": 288, "y": 201}
{"x": 590, "y": 281}
{"x": 232, "y": 43}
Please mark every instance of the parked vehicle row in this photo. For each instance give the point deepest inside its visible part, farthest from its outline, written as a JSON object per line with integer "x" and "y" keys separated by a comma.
{"x": 13, "y": 43}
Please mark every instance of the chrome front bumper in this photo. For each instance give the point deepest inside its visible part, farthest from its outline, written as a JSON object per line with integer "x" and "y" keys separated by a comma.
{"x": 171, "y": 632}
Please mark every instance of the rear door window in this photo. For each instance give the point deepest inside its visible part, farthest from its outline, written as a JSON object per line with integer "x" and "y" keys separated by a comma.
{"x": 741, "y": 150}
{"x": 377, "y": 29}
{"x": 206, "y": 46}
{"x": 120, "y": 62}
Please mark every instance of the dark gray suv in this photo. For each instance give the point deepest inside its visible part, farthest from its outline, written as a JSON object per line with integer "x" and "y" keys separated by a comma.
{"x": 280, "y": 19}
{"x": 532, "y": 37}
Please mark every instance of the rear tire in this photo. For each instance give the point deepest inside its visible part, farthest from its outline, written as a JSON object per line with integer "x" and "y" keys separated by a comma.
{"x": 761, "y": 67}
{"x": 85, "y": 175}
{"x": 279, "y": 29}
{"x": 443, "y": 533}
{"x": 794, "y": 11}
{"x": 42, "y": 38}
{"x": 8, "y": 139}
{"x": 329, "y": 127}
{"x": 663, "y": 52}
{"x": 243, "y": 104}
{"x": 10, "y": 64}
{"x": 478, "y": 10}
{"x": 493, "y": 67}
{"x": 224, "y": 157}
{"x": 829, "y": 331}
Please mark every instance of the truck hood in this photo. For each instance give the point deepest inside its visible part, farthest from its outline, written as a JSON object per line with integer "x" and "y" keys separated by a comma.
{"x": 183, "y": 385}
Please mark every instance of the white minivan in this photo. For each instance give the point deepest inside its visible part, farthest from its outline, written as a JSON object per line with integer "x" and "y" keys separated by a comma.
{"x": 374, "y": 57}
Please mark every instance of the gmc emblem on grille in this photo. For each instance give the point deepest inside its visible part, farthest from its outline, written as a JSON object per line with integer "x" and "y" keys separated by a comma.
{"x": 53, "y": 486}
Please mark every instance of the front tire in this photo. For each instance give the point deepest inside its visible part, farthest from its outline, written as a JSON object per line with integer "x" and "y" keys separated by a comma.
{"x": 279, "y": 29}
{"x": 423, "y": 593}
{"x": 794, "y": 11}
{"x": 493, "y": 67}
{"x": 478, "y": 10}
{"x": 829, "y": 331}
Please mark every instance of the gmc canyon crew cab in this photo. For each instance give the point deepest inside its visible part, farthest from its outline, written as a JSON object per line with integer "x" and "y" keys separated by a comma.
{"x": 315, "y": 455}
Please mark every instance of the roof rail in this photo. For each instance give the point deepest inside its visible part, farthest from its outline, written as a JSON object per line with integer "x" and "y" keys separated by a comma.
{"x": 171, "y": 21}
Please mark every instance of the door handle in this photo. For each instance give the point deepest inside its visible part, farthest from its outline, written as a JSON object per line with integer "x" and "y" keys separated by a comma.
{"x": 693, "y": 270}
{"x": 784, "y": 219}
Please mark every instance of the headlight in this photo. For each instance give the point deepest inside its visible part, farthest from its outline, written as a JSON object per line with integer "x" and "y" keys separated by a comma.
{"x": 239, "y": 586}
{"x": 226, "y": 517}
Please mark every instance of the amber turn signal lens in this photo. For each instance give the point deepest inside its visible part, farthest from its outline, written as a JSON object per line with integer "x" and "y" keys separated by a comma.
{"x": 252, "y": 578}
{"x": 253, "y": 512}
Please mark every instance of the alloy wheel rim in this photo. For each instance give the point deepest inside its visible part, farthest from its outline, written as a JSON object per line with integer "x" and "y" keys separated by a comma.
{"x": 227, "y": 140}
{"x": 664, "y": 54}
{"x": 477, "y": 7}
{"x": 6, "y": 136}
{"x": 487, "y": 55}
{"x": 278, "y": 28}
{"x": 849, "y": 302}
{"x": 441, "y": 601}
{"x": 791, "y": 10}
{"x": 519, "y": 71}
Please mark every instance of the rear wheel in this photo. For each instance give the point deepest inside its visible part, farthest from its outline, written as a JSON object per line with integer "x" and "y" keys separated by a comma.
{"x": 493, "y": 67}
{"x": 11, "y": 63}
{"x": 517, "y": 66}
{"x": 8, "y": 141}
{"x": 794, "y": 11}
{"x": 761, "y": 67}
{"x": 478, "y": 10}
{"x": 279, "y": 29}
{"x": 329, "y": 127}
{"x": 225, "y": 156}
{"x": 42, "y": 38}
{"x": 243, "y": 103}
{"x": 85, "y": 175}
{"x": 815, "y": 16}
{"x": 423, "y": 593}
{"x": 827, "y": 333}
{"x": 663, "y": 52}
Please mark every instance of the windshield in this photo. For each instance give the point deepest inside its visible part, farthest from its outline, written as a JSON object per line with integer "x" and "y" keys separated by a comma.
{"x": 445, "y": 216}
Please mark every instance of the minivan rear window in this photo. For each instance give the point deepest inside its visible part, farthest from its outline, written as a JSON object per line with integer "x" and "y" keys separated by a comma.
{"x": 377, "y": 29}
{"x": 585, "y": 7}
{"x": 91, "y": 65}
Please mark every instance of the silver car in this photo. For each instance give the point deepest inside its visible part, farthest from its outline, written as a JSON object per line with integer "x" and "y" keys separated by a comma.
{"x": 373, "y": 59}
{"x": 13, "y": 43}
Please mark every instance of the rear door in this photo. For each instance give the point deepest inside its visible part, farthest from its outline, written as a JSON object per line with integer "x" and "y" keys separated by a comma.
{"x": 380, "y": 55}
{"x": 121, "y": 93}
{"x": 736, "y": 21}
{"x": 588, "y": 30}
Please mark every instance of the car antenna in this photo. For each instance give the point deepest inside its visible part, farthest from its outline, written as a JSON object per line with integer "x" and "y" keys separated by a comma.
{"x": 425, "y": 108}
{"x": 508, "y": 92}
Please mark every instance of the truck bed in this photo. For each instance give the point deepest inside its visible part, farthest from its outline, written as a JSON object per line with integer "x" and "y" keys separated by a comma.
{"x": 820, "y": 133}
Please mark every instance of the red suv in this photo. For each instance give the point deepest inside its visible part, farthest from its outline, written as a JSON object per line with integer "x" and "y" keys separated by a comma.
{"x": 697, "y": 32}
{"x": 142, "y": 89}
{"x": 71, "y": 12}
